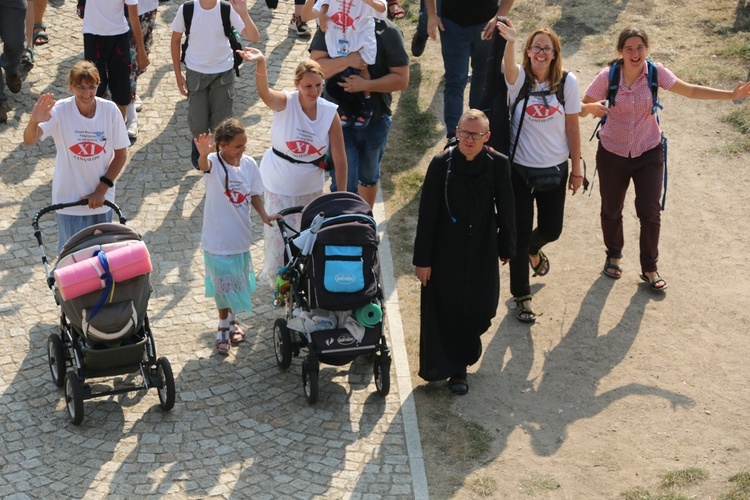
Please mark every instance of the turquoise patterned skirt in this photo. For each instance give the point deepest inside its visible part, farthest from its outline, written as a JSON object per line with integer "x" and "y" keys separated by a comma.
{"x": 230, "y": 280}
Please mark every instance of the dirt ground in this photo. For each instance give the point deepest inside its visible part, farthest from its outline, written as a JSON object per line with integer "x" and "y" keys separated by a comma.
{"x": 614, "y": 385}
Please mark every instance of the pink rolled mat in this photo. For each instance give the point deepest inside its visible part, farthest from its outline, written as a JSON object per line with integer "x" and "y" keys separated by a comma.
{"x": 84, "y": 277}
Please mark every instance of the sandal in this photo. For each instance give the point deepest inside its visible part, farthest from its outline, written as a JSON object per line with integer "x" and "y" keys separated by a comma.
{"x": 542, "y": 268}
{"x": 27, "y": 58}
{"x": 363, "y": 118}
{"x": 223, "y": 345}
{"x": 395, "y": 11}
{"x": 523, "y": 314}
{"x": 458, "y": 385}
{"x": 40, "y": 37}
{"x": 653, "y": 285}
{"x": 616, "y": 272}
{"x": 236, "y": 335}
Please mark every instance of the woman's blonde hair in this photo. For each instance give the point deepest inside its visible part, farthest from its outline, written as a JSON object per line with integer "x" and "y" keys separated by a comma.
{"x": 83, "y": 71}
{"x": 555, "y": 67}
{"x": 307, "y": 66}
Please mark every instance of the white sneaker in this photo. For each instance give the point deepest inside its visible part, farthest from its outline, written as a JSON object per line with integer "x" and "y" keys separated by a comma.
{"x": 138, "y": 104}
{"x": 132, "y": 126}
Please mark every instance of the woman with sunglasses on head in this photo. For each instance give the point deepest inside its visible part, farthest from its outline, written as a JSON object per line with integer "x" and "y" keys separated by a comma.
{"x": 544, "y": 133}
{"x": 466, "y": 222}
{"x": 630, "y": 147}
{"x": 91, "y": 141}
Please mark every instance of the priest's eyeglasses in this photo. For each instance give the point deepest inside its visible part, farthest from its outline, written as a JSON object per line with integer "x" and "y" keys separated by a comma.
{"x": 465, "y": 134}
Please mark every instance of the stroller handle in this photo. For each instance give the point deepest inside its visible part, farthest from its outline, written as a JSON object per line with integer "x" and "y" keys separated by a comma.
{"x": 60, "y": 206}
{"x": 290, "y": 211}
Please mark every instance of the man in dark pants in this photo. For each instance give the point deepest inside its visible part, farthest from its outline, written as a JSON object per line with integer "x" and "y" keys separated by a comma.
{"x": 464, "y": 35}
{"x": 390, "y": 73}
{"x": 13, "y": 35}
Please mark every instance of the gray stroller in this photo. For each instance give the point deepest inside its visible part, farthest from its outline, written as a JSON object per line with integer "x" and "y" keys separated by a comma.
{"x": 105, "y": 332}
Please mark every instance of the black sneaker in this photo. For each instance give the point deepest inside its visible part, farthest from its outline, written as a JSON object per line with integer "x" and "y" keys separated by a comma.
{"x": 417, "y": 45}
{"x": 299, "y": 27}
{"x": 3, "y": 112}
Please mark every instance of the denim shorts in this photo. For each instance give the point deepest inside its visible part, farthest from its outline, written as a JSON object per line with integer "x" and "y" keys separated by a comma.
{"x": 364, "y": 152}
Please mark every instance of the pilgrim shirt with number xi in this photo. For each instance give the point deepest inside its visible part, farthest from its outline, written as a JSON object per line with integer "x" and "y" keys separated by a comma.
{"x": 85, "y": 148}
{"x": 227, "y": 229}
{"x": 631, "y": 129}
{"x": 543, "y": 142}
{"x": 294, "y": 134}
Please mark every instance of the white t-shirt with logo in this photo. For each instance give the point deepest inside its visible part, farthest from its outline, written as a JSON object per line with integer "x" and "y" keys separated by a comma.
{"x": 543, "y": 142}
{"x": 351, "y": 28}
{"x": 85, "y": 148}
{"x": 208, "y": 49}
{"x": 299, "y": 137}
{"x": 227, "y": 229}
{"x": 106, "y": 17}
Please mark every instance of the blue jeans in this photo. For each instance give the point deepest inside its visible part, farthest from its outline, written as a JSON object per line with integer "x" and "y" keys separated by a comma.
{"x": 68, "y": 225}
{"x": 364, "y": 151}
{"x": 458, "y": 45}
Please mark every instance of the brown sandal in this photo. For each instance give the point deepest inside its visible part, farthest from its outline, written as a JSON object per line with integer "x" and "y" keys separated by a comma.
{"x": 223, "y": 345}
{"x": 395, "y": 11}
{"x": 236, "y": 334}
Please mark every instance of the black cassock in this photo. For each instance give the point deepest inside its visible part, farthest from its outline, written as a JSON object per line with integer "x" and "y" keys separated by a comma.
{"x": 461, "y": 239}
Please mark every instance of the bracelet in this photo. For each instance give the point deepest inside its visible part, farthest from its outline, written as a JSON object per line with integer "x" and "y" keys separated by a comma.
{"x": 106, "y": 181}
{"x": 576, "y": 176}
{"x": 261, "y": 74}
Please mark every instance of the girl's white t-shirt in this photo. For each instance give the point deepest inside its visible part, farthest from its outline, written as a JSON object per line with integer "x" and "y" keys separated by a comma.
{"x": 299, "y": 137}
{"x": 85, "y": 148}
{"x": 227, "y": 228}
{"x": 106, "y": 17}
{"x": 208, "y": 49}
{"x": 543, "y": 142}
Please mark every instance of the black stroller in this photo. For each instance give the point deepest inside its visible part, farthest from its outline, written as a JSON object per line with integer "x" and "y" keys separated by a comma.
{"x": 331, "y": 291}
{"x": 105, "y": 332}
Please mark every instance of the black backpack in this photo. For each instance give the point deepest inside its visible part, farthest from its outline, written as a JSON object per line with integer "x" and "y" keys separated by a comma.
{"x": 229, "y": 31}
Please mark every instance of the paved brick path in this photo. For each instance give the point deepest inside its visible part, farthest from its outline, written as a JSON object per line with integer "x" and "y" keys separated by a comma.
{"x": 241, "y": 427}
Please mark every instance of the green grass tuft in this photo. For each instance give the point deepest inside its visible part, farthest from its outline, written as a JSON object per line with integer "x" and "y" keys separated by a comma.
{"x": 683, "y": 477}
{"x": 739, "y": 489}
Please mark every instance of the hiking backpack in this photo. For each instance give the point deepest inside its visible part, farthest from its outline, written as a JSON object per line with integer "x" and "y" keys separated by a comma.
{"x": 229, "y": 31}
{"x": 653, "y": 85}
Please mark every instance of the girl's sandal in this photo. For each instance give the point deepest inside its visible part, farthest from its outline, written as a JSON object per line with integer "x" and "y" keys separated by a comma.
{"x": 395, "y": 11}
{"x": 523, "y": 314}
{"x": 236, "y": 334}
{"x": 223, "y": 345}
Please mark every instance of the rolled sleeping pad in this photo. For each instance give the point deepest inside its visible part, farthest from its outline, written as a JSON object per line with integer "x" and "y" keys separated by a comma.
{"x": 86, "y": 276}
{"x": 368, "y": 315}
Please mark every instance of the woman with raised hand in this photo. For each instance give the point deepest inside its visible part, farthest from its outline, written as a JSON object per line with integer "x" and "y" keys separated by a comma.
{"x": 630, "y": 146}
{"x": 544, "y": 133}
{"x": 305, "y": 127}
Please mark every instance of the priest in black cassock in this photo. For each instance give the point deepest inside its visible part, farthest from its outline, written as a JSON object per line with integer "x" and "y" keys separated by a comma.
{"x": 466, "y": 223}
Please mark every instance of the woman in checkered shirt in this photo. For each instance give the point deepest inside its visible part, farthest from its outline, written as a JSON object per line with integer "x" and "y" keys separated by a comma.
{"x": 630, "y": 148}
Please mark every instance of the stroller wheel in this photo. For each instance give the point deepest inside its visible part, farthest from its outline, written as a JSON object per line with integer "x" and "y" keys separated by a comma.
{"x": 166, "y": 380}
{"x": 382, "y": 369}
{"x": 74, "y": 397}
{"x": 282, "y": 343}
{"x": 56, "y": 358}
{"x": 309, "y": 382}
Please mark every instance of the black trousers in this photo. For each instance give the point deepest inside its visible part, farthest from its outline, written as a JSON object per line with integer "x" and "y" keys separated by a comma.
{"x": 550, "y": 207}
